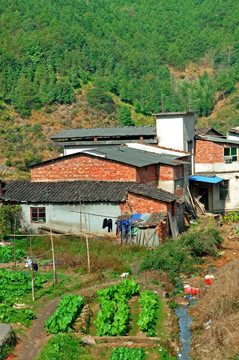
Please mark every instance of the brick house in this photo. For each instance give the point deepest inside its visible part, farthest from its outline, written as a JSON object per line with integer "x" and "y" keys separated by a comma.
{"x": 121, "y": 163}
{"x": 216, "y": 172}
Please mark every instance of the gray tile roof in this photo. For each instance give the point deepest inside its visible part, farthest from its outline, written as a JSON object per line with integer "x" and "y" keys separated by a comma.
{"x": 125, "y": 155}
{"x": 207, "y": 130}
{"x": 220, "y": 140}
{"x": 126, "y": 131}
{"x": 79, "y": 191}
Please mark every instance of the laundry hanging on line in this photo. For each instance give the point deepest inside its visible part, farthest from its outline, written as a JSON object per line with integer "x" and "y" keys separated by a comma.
{"x": 107, "y": 223}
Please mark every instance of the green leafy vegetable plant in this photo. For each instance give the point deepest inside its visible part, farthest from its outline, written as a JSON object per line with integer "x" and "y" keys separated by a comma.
{"x": 114, "y": 314}
{"x": 124, "y": 353}
{"x": 7, "y": 254}
{"x": 65, "y": 314}
{"x": 149, "y": 304}
{"x": 13, "y": 286}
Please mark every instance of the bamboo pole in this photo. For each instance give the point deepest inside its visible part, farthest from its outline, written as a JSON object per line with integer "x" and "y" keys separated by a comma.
{"x": 53, "y": 257}
{"x": 14, "y": 245}
{"x": 87, "y": 243}
{"x": 33, "y": 284}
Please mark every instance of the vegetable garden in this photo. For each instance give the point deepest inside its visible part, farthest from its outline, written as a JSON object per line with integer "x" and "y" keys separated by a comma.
{"x": 112, "y": 313}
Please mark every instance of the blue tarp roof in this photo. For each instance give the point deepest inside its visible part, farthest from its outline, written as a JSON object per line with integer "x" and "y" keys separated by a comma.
{"x": 135, "y": 217}
{"x": 206, "y": 179}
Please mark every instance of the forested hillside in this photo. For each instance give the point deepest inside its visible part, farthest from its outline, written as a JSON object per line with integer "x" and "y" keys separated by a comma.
{"x": 123, "y": 55}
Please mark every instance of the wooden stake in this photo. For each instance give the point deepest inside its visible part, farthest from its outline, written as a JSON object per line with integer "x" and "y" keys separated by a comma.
{"x": 87, "y": 243}
{"x": 53, "y": 258}
{"x": 14, "y": 246}
{"x": 33, "y": 284}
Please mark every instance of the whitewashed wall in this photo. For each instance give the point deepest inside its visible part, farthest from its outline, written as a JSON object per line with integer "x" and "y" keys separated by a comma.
{"x": 67, "y": 218}
{"x": 174, "y": 131}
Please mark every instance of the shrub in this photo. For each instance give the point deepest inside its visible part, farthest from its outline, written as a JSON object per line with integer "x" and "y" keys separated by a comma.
{"x": 178, "y": 256}
{"x": 172, "y": 257}
{"x": 202, "y": 242}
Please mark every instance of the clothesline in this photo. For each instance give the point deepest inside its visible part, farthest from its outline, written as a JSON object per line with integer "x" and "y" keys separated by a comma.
{"x": 86, "y": 213}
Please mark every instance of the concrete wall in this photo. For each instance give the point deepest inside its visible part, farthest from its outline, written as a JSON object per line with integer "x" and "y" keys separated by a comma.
{"x": 67, "y": 218}
{"x": 174, "y": 131}
{"x": 170, "y": 132}
{"x": 216, "y": 168}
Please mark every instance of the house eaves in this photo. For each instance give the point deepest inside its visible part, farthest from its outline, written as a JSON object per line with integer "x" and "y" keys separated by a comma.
{"x": 81, "y": 191}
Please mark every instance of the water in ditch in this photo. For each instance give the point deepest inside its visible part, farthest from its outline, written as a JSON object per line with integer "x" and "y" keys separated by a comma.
{"x": 184, "y": 321}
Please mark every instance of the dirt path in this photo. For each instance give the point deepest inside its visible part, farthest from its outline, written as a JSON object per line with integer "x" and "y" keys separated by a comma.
{"x": 36, "y": 337}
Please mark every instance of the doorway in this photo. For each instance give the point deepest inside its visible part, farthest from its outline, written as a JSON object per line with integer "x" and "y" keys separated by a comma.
{"x": 204, "y": 197}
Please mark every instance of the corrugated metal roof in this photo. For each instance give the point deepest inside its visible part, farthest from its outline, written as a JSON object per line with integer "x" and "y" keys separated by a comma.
{"x": 80, "y": 191}
{"x": 124, "y": 154}
{"x": 106, "y": 132}
{"x": 206, "y": 179}
{"x": 132, "y": 156}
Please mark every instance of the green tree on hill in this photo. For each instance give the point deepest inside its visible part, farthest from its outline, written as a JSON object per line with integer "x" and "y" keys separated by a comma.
{"x": 124, "y": 116}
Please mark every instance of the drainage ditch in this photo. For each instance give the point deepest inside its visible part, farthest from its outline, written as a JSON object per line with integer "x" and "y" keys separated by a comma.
{"x": 185, "y": 321}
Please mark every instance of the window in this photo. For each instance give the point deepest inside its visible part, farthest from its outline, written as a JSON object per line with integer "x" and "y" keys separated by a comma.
{"x": 38, "y": 214}
{"x": 230, "y": 154}
{"x": 224, "y": 190}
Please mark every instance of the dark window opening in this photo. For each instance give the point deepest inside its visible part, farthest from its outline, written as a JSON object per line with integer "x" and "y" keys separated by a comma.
{"x": 38, "y": 215}
{"x": 224, "y": 190}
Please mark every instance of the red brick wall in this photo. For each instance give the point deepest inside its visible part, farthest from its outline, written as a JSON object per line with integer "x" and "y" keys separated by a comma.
{"x": 207, "y": 152}
{"x": 83, "y": 167}
{"x": 146, "y": 174}
{"x": 165, "y": 173}
{"x": 140, "y": 204}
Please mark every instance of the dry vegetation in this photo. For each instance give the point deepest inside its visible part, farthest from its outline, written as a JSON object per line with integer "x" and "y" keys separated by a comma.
{"x": 219, "y": 303}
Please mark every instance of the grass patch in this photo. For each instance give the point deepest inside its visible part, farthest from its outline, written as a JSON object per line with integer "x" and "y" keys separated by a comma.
{"x": 70, "y": 253}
